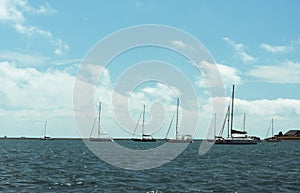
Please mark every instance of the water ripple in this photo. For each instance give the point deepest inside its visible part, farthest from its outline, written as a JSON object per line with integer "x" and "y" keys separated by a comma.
{"x": 68, "y": 166}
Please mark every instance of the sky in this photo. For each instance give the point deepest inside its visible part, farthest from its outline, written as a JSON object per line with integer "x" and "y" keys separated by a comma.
{"x": 44, "y": 44}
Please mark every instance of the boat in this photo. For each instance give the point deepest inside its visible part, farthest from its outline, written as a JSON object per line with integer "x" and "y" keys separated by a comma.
{"x": 273, "y": 138}
{"x": 234, "y": 136}
{"x": 179, "y": 138}
{"x": 45, "y": 137}
{"x": 144, "y": 137}
{"x": 104, "y": 136}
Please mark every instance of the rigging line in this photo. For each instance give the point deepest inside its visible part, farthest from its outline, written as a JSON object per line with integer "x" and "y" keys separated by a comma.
{"x": 43, "y": 131}
{"x": 232, "y": 110}
{"x": 137, "y": 124}
{"x": 45, "y": 128}
{"x": 269, "y": 129}
{"x": 226, "y": 116}
{"x": 243, "y": 124}
{"x": 93, "y": 127}
{"x": 99, "y": 118}
{"x": 170, "y": 125}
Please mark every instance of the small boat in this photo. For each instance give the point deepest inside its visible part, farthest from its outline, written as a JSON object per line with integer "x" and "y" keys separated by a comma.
{"x": 45, "y": 137}
{"x": 144, "y": 137}
{"x": 273, "y": 138}
{"x": 104, "y": 136}
{"x": 179, "y": 138}
{"x": 234, "y": 136}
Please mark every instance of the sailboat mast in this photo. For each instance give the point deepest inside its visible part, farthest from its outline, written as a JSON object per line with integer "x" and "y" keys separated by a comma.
{"x": 45, "y": 128}
{"x": 99, "y": 119}
{"x": 272, "y": 126}
{"x": 177, "y": 117}
{"x": 227, "y": 117}
{"x": 215, "y": 126}
{"x": 244, "y": 122}
{"x": 232, "y": 103}
{"x": 143, "y": 122}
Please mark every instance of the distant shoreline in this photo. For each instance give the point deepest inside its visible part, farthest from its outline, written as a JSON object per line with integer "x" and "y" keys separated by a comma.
{"x": 115, "y": 139}
{"x": 70, "y": 138}
{"x": 36, "y": 138}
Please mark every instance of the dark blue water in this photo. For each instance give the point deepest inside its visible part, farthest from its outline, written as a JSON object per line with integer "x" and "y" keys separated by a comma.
{"x": 68, "y": 166}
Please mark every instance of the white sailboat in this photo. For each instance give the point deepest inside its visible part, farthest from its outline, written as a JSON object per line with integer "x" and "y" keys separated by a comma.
{"x": 144, "y": 137}
{"x": 234, "y": 136}
{"x": 100, "y": 136}
{"x": 179, "y": 138}
{"x": 45, "y": 137}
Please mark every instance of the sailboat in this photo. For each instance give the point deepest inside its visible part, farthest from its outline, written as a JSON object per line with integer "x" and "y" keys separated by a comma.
{"x": 178, "y": 138}
{"x": 273, "y": 138}
{"x": 234, "y": 136}
{"x": 144, "y": 137}
{"x": 99, "y": 138}
{"x": 44, "y": 133}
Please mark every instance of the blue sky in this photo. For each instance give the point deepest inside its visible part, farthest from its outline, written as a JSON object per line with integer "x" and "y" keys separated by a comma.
{"x": 255, "y": 44}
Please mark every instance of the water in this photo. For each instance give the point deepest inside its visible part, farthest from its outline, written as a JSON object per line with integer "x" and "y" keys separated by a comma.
{"x": 68, "y": 166}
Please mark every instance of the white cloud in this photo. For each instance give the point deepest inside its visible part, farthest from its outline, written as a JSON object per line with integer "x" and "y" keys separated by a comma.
{"x": 179, "y": 44}
{"x": 270, "y": 108}
{"x": 28, "y": 97}
{"x": 229, "y": 75}
{"x": 240, "y": 51}
{"x": 288, "y": 72}
{"x": 61, "y": 47}
{"x": 32, "y": 30}
{"x": 162, "y": 91}
{"x": 27, "y": 94}
{"x": 27, "y": 88}
{"x": 13, "y": 12}
{"x": 9, "y": 11}
{"x": 22, "y": 59}
{"x": 153, "y": 94}
{"x": 286, "y": 112}
{"x": 91, "y": 72}
{"x": 276, "y": 49}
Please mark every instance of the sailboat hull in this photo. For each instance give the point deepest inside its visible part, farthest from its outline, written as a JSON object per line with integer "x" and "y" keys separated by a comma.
{"x": 47, "y": 138}
{"x": 272, "y": 139}
{"x": 239, "y": 141}
{"x": 144, "y": 140}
